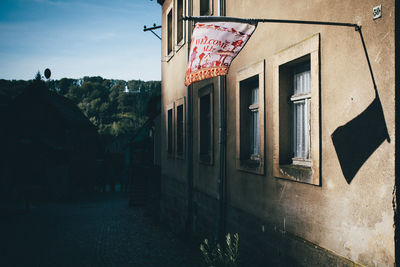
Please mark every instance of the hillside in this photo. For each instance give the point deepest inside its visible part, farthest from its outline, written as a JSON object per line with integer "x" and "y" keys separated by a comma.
{"x": 115, "y": 107}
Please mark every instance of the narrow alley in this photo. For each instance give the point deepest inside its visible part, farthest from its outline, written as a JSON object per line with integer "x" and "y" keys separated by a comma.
{"x": 100, "y": 230}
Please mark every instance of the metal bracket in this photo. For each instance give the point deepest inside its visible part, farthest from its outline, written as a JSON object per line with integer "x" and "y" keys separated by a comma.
{"x": 145, "y": 29}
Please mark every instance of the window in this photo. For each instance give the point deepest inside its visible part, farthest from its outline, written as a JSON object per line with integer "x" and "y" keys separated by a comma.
{"x": 170, "y": 125}
{"x": 296, "y": 112}
{"x": 254, "y": 142}
{"x": 169, "y": 33}
{"x": 250, "y": 119}
{"x": 205, "y": 7}
{"x": 301, "y": 116}
{"x": 179, "y": 22}
{"x": 180, "y": 128}
{"x": 205, "y": 111}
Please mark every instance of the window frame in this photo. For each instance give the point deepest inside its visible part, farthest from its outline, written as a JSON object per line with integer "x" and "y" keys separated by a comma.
{"x": 293, "y": 55}
{"x": 179, "y": 43}
{"x": 170, "y": 132}
{"x": 206, "y": 90}
{"x": 180, "y": 102}
{"x": 248, "y": 164}
{"x": 170, "y": 54}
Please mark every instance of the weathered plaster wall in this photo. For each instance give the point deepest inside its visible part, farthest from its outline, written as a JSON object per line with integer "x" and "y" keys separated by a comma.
{"x": 173, "y": 88}
{"x": 356, "y": 220}
{"x": 351, "y": 220}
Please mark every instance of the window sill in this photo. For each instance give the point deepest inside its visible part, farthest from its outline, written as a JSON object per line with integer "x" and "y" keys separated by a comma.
{"x": 169, "y": 56}
{"x": 250, "y": 165}
{"x": 302, "y": 162}
{"x": 179, "y": 45}
{"x": 298, "y": 173}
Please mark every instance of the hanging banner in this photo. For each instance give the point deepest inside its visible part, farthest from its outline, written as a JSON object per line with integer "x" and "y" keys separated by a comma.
{"x": 214, "y": 45}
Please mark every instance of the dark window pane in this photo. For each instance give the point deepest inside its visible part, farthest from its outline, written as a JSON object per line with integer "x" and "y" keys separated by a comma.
{"x": 204, "y": 7}
{"x": 205, "y": 128}
{"x": 169, "y": 33}
{"x": 169, "y": 131}
{"x": 179, "y": 130}
{"x": 249, "y": 122}
{"x": 179, "y": 33}
{"x": 254, "y": 140}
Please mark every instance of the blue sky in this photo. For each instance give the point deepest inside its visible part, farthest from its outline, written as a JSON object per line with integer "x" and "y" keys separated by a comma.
{"x": 76, "y": 38}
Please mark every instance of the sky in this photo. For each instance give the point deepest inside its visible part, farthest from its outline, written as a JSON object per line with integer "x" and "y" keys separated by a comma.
{"x": 77, "y": 38}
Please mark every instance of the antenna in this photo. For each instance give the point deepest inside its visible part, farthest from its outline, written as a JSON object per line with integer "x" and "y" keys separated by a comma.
{"x": 47, "y": 73}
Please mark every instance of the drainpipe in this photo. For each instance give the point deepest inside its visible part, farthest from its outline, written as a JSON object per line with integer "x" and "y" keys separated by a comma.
{"x": 220, "y": 222}
{"x": 188, "y": 147}
{"x": 396, "y": 197}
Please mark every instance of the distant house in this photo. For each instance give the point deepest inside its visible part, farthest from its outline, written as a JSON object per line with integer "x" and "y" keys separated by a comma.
{"x": 116, "y": 161}
{"x": 143, "y": 154}
{"x": 49, "y": 145}
{"x": 129, "y": 158}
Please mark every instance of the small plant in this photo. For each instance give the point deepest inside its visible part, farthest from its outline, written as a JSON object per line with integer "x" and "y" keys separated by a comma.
{"x": 215, "y": 256}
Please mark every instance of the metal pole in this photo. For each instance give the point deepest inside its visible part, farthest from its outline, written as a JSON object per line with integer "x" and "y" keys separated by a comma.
{"x": 156, "y": 35}
{"x": 397, "y": 134}
{"x": 366, "y": 55}
{"x": 188, "y": 147}
{"x": 219, "y": 229}
{"x": 371, "y": 73}
{"x": 145, "y": 29}
{"x": 252, "y": 20}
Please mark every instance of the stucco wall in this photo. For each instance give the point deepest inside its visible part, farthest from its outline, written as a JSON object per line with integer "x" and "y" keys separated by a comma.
{"x": 352, "y": 220}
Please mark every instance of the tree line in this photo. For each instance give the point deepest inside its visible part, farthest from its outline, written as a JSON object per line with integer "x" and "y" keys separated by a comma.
{"x": 115, "y": 107}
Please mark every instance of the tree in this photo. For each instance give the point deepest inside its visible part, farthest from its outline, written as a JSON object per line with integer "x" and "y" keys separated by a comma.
{"x": 109, "y": 106}
{"x": 64, "y": 84}
{"x": 38, "y": 76}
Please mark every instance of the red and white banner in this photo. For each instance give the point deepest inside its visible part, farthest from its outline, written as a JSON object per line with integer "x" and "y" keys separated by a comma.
{"x": 214, "y": 45}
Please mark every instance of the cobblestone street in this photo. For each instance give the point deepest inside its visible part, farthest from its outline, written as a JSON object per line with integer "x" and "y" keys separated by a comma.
{"x": 97, "y": 231}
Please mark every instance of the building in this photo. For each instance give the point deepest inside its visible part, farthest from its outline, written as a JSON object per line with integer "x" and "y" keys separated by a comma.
{"x": 143, "y": 159}
{"x": 262, "y": 151}
{"x": 49, "y": 147}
